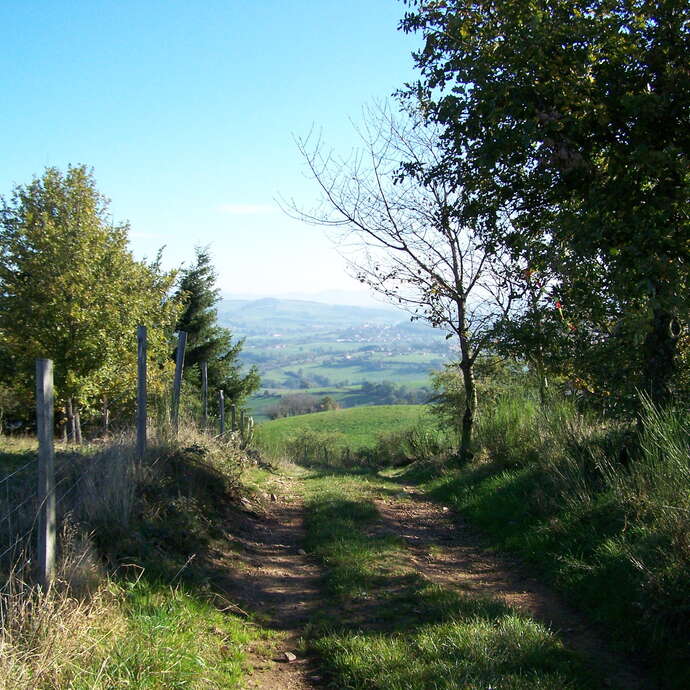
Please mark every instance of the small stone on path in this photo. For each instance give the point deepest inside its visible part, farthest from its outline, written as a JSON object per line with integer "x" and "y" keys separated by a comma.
{"x": 289, "y": 657}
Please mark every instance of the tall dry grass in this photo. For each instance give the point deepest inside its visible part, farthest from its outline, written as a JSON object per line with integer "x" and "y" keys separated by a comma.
{"x": 67, "y": 636}
{"x": 49, "y": 639}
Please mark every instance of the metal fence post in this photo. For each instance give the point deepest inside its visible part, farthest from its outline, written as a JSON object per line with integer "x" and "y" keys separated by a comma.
{"x": 221, "y": 411}
{"x": 46, "y": 471}
{"x": 233, "y": 412}
{"x": 141, "y": 390}
{"x": 177, "y": 386}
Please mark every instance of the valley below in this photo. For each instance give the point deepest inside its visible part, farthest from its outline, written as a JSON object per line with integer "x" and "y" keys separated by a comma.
{"x": 354, "y": 355}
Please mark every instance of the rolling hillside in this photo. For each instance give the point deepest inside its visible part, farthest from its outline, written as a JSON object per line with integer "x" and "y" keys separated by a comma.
{"x": 270, "y": 315}
{"x": 333, "y": 349}
{"x": 361, "y": 426}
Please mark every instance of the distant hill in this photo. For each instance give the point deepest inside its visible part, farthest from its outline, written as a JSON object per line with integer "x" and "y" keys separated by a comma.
{"x": 271, "y": 315}
{"x": 350, "y": 298}
{"x": 334, "y": 349}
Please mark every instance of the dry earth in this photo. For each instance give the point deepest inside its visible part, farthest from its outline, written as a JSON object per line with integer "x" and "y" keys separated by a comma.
{"x": 271, "y": 577}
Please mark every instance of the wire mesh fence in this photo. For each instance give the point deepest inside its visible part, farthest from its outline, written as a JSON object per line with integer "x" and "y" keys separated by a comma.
{"x": 20, "y": 509}
{"x": 39, "y": 491}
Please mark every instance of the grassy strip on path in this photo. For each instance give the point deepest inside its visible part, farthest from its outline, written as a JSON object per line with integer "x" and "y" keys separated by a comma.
{"x": 387, "y": 627}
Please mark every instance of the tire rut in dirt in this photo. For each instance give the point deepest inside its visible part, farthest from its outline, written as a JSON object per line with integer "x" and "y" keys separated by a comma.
{"x": 446, "y": 550}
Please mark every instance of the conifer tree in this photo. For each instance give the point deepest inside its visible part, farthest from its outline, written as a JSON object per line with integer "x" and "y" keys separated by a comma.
{"x": 206, "y": 339}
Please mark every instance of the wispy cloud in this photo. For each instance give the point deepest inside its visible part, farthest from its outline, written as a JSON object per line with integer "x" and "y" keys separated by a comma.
{"x": 246, "y": 209}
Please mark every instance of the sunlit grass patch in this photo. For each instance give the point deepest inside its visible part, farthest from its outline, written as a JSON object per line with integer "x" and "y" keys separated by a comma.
{"x": 135, "y": 635}
{"x": 356, "y": 427}
{"x": 174, "y": 640}
{"x": 510, "y": 652}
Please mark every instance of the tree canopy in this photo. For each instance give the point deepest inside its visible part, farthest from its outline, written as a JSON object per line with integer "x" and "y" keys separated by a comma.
{"x": 71, "y": 291}
{"x": 566, "y": 125}
{"x": 415, "y": 247}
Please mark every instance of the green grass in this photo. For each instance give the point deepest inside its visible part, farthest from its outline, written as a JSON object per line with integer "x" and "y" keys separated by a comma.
{"x": 394, "y": 369}
{"x": 360, "y": 427}
{"x": 172, "y": 639}
{"x": 397, "y": 631}
{"x": 548, "y": 486}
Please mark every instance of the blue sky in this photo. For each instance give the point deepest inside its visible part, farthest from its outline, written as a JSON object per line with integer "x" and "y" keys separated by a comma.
{"x": 187, "y": 111}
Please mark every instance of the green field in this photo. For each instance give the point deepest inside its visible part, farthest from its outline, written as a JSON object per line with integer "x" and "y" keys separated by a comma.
{"x": 318, "y": 366}
{"x": 298, "y": 346}
{"x": 400, "y": 369}
{"x": 361, "y": 425}
{"x": 346, "y": 396}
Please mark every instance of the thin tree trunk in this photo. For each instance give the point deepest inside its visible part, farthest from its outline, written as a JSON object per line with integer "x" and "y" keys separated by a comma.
{"x": 65, "y": 421}
{"x": 77, "y": 426}
{"x": 105, "y": 416}
{"x": 543, "y": 381}
{"x": 467, "y": 369}
{"x": 543, "y": 387}
{"x": 469, "y": 415}
{"x": 539, "y": 357}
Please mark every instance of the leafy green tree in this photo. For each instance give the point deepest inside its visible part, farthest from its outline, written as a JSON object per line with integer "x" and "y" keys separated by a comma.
{"x": 207, "y": 341}
{"x": 566, "y": 124}
{"x": 71, "y": 291}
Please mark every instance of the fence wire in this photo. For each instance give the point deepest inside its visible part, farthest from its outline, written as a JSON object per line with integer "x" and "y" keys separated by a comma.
{"x": 18, "y": 470}
{"x": 17, "y": 526}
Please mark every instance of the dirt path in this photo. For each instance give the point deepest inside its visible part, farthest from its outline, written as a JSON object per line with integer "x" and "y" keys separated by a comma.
{"x": 270, "y": 576}
{"x": 447, "y": 551}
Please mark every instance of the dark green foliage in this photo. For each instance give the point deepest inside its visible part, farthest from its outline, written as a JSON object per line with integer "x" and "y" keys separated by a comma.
{"x": 300, "y": 403}
{"x": 566, "y": 123}
{"x": 206, "y": 340}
